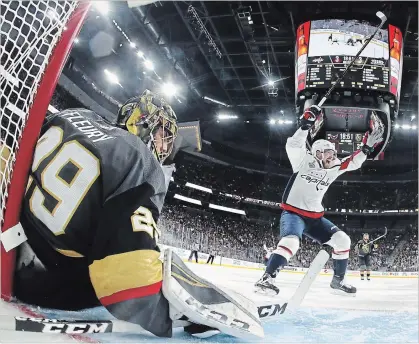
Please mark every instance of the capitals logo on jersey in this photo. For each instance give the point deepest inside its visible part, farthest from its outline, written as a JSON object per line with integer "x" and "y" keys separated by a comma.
{"x": 316, "y": 176}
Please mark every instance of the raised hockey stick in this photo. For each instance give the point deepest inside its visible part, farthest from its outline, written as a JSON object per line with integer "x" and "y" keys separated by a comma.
{"x": 32, "y": 324}
{"x": 381, "y": 236}
{"x": 383, "y": 19}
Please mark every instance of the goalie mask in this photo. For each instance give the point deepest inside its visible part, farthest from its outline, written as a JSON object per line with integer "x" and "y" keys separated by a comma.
{"x": 325, "y": 152}
{"x": 153, "y": 120}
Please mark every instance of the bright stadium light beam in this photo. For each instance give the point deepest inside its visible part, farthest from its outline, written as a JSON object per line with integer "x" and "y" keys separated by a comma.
{"x": 272, "y": 122}
{"x": 140, "y": 54}
{"x": 101, "y": 6}
{"x": 223, "y": 116}
{"x": 169, "y": 89}
{"x": 271, "y": 83}
{"x": 149, "y": 65}
{"x": 112, "y": 77}
{"x": 132, "y": 45}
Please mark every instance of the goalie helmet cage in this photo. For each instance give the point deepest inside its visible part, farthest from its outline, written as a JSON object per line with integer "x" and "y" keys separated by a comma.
{"x": 36, "y": 38}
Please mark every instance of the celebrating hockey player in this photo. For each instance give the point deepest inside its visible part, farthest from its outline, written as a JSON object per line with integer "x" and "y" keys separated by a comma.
{"x": 365, "y": 249}
{"x": 313, "y": 173}
{"x": 93, "y": 198}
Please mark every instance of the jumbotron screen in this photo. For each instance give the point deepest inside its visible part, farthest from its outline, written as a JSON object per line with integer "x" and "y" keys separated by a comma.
{"x": 345, "y": 143}
{"x": 325, "y": 47}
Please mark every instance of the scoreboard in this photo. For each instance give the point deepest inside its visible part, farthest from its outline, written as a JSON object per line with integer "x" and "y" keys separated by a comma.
{"x": 366, "y": 73}
{"x": 345, "y": 143}
{"x": 324, "y": 48}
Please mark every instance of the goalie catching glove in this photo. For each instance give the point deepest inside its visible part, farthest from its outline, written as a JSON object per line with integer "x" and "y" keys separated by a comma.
{"x": 205, "y": 305}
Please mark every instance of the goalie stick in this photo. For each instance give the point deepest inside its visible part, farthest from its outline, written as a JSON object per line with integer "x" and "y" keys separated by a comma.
{"x": 383, "y": 19}
{"x": 89, "y": 326}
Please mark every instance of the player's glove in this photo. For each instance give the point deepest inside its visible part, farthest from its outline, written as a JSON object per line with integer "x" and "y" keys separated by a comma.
{"x": 371, "y": 140}
{"x": 309, "y": 117}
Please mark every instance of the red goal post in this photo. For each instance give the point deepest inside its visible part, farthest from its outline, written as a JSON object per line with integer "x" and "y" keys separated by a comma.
{"x": 36, "y": 38}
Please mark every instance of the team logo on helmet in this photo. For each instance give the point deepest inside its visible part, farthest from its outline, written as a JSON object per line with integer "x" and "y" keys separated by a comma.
{"x": 153, "y": 120}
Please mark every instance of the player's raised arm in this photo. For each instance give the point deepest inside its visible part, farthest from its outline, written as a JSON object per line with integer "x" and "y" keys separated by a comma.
{"x": 296, "y": 144}
{"x": 355, "y": 161}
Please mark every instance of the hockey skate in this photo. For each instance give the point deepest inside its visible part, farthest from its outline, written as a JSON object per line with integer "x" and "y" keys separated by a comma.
{"x": 341, "y": 288}
{"x": 266, "y": 285}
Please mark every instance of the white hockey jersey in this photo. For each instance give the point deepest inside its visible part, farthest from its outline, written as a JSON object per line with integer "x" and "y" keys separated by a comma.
{"x": 305, "y": 190}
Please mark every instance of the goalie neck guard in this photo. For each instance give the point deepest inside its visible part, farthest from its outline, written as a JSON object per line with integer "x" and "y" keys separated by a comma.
{"x": 153, "y": 120}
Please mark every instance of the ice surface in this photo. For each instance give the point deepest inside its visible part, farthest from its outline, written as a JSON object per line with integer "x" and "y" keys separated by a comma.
{"x": 385, "y": 310}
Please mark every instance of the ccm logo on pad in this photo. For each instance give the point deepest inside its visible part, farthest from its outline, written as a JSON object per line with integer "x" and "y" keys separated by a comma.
{"x": 57, "y": 326}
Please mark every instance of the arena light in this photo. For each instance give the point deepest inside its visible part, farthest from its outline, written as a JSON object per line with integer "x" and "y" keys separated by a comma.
{"x": 198, "y": 187}
{"x": 187, "y": 199}
{"x": 132, "y": 45}
{"x": 112, "y": 77}
{"x": 149, "y": 65}
{"x": 212, "y": 100}
{"x": 406, "y": 126}
{"x": 101, "y": 6}
{"x": 223, "y": 116}
{"x": 412, "y": 117}
{"x": 271, "y": 83}
{"x": 396, "y": 126}
{"x": 140, "y": 54}
{"x": 227, "y": 209}
{"x": 76, "y": 40}
{"x": 169, "y": 89}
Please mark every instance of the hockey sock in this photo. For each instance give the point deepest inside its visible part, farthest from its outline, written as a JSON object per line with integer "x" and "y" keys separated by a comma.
{"x": 362, "y": 274}
{"x": 275, "y": 261}
{"x": 368, "y": 275}
{"x": 339, "y": 267}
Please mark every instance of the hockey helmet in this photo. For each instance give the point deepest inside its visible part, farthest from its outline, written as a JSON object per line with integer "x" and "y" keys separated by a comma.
{"x": 150, "y": 118}
{"x": 366, "y": 236}
{"x": 323, "y": 146}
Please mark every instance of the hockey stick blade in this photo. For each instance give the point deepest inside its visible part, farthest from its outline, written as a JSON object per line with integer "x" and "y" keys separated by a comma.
{"x": 316, "y": 266}
{"x": 381, "y": 236}
{"x": 382, "y": 16}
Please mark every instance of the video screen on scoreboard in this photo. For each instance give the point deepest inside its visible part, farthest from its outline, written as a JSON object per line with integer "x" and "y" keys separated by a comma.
{"x": 332, "y": 45}
{"x": 345, "y": 143}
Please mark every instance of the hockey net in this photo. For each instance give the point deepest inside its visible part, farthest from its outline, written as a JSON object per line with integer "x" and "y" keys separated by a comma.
{"x": 36, "y": 38}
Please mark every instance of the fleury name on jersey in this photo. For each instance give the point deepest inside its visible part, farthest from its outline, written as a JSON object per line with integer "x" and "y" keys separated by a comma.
{"x": 86, "y": 127}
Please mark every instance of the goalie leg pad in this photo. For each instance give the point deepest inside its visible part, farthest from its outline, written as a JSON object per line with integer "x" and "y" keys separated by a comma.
{"x": 204, "y": 303}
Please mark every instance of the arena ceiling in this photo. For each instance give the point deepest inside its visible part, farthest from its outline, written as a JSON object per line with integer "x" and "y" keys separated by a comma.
{"x": 220, "y": 66}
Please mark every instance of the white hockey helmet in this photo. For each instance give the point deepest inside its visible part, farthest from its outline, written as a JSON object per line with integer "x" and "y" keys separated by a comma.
{"x": 322, "y": 146}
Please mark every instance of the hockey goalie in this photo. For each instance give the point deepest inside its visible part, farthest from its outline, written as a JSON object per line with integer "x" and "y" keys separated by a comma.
{"x": 93, "y": 198}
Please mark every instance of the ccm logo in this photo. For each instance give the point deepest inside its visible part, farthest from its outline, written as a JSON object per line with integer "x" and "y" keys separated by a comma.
{"x": 217, "y": 316}
{"x": 268, "y": 311}
{"x": 57, "y": 326}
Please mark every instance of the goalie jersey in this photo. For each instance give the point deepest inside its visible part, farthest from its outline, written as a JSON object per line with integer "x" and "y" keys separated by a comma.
{"x": 92, "y": 202}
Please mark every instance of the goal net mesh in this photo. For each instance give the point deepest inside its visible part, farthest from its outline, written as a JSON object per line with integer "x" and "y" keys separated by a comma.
{"x": 36, "y": 37}
{"x": 29, "y": 32}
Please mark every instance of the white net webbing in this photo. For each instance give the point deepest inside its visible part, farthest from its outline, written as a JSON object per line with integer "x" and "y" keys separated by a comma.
{"x": 29, "y": 32}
